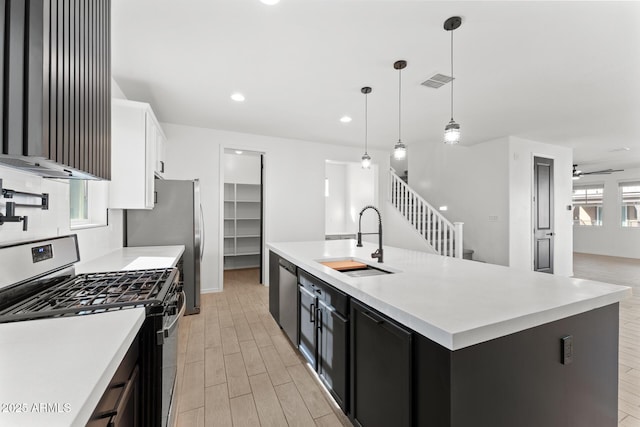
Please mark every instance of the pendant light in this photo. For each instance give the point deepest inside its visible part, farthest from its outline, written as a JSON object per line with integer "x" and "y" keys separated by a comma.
{"x": 366, "y": 158}
{"x": 452, "y": 130}
{"x": 399, "y": 150}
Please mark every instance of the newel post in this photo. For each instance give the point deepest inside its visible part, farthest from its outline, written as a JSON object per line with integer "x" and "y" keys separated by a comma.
{"x": 458, "y": 237}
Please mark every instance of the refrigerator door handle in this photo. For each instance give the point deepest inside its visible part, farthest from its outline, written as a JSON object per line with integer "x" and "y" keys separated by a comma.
{"x": 201, "y": 233}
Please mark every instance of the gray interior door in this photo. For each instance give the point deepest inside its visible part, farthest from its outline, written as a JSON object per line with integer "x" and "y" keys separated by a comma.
{"x": 543, "y": 215}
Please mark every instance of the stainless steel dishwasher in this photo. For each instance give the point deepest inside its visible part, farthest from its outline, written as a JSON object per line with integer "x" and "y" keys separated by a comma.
{"x": 288, "y": 300}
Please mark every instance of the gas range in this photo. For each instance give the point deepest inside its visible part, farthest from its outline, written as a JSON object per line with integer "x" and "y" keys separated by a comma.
{"x": 44, "y": 283}
{"x": 94, "y": 293}
{"x": 38, "y": 281}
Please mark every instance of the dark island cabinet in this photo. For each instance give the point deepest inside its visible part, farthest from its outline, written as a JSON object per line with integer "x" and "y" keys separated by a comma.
{"x": 324, "y": 333}
{"x": 381, "y": 369}
{"x": 333, "y": 351}
{"x": 56, "y": 82}
{"x": 274, "y": 286}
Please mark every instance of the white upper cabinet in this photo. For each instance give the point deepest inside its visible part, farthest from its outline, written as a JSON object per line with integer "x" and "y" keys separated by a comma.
{"x": 137, "y": 154}
{"x": 160, "y": 152}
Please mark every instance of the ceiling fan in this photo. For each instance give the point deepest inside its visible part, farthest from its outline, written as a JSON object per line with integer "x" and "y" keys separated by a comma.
{"x": 578, "y": 173}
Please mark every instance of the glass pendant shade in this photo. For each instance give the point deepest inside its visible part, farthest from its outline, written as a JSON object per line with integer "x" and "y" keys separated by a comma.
{"x": 399, "y": 151}
{"x": 452, "y": 133}
{"x": 366, "y": 161}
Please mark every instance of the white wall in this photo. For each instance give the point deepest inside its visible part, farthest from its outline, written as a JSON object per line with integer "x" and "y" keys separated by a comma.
{"x": 93, "y": 242}
{"x": 521, "y": 154}
{"x": 242, "y": 168}
{"x": 336, "y": 201}
{"x": 473, "y": 183}
{"x": 294, "y": 204}
{"x": 610, "y": 239}
{"x": 350, "y": 189}
{"x": 489, "y": 187}
{"x": 362, "y": 190}
{"x": 399, "y": 233}
{"x": 116, "y": 92}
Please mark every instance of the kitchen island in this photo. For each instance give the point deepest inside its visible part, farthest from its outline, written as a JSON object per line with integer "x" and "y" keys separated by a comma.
{"x": 482, "y": 344}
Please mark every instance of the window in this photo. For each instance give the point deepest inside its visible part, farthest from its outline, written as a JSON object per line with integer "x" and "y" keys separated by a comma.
{"x": 587, "y": 204}
{"x": 88, "y": 202}
{"x": 78, "y": 201}
{"x": 630, "y": 203}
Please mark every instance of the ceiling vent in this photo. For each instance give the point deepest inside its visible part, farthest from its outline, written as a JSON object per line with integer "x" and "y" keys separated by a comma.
{"x": 436, "y": 81}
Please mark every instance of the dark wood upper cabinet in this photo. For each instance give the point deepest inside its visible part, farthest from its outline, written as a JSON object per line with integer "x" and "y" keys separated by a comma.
{"x": 55, "y": 98}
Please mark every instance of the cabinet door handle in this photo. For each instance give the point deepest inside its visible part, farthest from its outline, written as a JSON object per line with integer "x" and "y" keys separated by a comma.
{"x": 161, "y": 166}
{"x": 319, "y": 318}
{"x": 312, "y": 312}
{"x": 377, "y": 321}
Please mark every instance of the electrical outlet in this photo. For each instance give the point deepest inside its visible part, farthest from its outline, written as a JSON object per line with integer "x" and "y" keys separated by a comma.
{"x": 566, "y": 349}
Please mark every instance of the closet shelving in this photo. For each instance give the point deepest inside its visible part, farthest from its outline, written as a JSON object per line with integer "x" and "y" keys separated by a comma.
{"x": 242, "y": 210}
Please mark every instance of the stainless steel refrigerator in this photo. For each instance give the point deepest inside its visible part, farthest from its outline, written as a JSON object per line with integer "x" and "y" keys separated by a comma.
{"x": 176, "y": 219}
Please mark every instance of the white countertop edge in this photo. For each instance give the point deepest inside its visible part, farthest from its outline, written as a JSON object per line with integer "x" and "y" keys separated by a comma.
{"x": 476, "y": 336}
{"x": 133, "y": 257}
{"x": 93, "y": 399}
{"x": 457, "y": 340}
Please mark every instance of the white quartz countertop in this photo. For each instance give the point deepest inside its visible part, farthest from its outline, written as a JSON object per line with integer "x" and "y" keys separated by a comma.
{"x": 133, "y": 258}
{"x": 53, "y": 372}
{"x": 456, "y": 303}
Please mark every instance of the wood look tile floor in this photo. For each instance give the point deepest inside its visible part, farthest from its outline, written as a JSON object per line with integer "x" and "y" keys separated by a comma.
{"x": 621, "y": 271}
{"x": 237, "y": 368}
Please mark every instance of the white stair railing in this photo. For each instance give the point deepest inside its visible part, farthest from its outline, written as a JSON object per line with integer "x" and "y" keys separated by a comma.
{"x": 443, "y": 236}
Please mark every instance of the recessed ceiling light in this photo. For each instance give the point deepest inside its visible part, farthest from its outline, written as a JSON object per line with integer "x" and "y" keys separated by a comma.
{"x": 238, "y": 151}
{"x": 345, "y": 119}
{"x": 270, "y": 2}
{"x": 238, "y": 97}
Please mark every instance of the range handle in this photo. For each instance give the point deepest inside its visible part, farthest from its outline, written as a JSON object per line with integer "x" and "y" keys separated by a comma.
{"x": 167, "y": 331}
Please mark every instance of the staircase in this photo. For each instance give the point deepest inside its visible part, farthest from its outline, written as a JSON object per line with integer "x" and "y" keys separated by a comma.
{"x": 443, "y": 236}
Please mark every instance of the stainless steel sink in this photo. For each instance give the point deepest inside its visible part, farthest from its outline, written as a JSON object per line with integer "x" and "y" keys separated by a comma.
{"x": 355, "y": 267}
{"x": 364, "y": 272}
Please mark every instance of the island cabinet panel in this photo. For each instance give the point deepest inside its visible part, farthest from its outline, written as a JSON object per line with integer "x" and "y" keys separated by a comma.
{"x": 520, "y": 380}
{"x": 333, "y": 339}
{"x": 381, "y": 369}
{"x": 324, "y": 333}
{"x": 274, "y": 286}
{"x": 432, "y": 383}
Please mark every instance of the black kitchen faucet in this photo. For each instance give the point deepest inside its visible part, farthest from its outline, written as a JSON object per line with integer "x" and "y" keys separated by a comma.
{"x": 378, "y": 253}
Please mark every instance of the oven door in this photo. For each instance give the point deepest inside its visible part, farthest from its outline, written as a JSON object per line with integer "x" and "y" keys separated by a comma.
{"x": 173, "y": 312}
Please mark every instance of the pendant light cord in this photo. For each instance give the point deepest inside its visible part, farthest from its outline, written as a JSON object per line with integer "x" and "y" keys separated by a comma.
{"x": 399, "y": 103}
{"x": 366, "y": 122}
{"x": 452, "y": 79}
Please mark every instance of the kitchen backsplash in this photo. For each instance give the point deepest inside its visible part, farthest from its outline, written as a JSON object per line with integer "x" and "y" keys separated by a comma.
{"x": 93, "y": 242}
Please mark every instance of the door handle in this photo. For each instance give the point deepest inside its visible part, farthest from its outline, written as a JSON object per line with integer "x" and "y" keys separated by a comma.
{"x": 312, "y": 312}
{"x": 550, "y": 234}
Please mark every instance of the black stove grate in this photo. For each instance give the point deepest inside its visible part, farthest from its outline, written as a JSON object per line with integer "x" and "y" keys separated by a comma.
{"x": 93, "y": 293}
